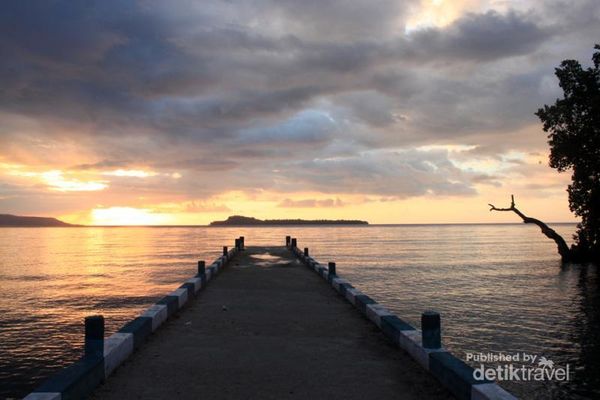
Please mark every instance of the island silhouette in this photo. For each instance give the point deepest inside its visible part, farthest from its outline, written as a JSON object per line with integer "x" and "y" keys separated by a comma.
{"x": 238, "y": 220}
{"x": 34, "y": 222}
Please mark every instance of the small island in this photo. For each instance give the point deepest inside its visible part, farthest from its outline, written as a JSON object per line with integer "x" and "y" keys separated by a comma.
{"x": 8, "y": 220}
{"x": 238, "y": 220}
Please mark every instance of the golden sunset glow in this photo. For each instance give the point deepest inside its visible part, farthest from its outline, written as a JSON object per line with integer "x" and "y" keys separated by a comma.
{"x": 56, "y": 180}
{"x": 439, "y": 154}
{"x": 126, "y": 216}
{"x": 395, "y": 112}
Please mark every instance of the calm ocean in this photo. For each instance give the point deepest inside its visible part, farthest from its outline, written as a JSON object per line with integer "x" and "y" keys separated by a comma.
{"x": 499, "y": 288}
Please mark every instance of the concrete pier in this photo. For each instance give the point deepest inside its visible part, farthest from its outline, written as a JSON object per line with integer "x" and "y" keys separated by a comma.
{"x": 268, "y": 328}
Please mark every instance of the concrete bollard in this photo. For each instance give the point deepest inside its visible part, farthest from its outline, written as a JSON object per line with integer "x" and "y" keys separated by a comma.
{"x": 225, "y": 251}
{"x": 201, "y": 268}
{"x": 431, "y": 328}
{"x": 306, "y": 252}
{"x": 288, "y": 239}
{"x": 294, "y": 243}
{"x": 94, "y": 336}
{"x": 242, "y": 244}
{"x": 332, "y": 268}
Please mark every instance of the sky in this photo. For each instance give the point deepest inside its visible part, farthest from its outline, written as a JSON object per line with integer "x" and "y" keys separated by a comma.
{"x": 184, "y": 112}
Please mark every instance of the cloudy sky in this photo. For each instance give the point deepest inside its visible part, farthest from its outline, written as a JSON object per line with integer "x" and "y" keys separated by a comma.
{"x": 182, "y": 112}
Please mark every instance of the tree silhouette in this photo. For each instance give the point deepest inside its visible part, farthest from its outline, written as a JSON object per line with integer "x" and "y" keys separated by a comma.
{"x": 573, "y": 126}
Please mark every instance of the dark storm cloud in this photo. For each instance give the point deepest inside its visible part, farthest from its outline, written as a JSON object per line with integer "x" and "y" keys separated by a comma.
{"x": 482, "y": 37}
{"x": 222, "y": 89}
{"x": 104, "y": 59}
{"x": 309, "y": 127}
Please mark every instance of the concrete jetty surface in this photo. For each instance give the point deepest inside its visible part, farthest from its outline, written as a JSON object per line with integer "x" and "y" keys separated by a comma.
{"x": 268, "y": 328}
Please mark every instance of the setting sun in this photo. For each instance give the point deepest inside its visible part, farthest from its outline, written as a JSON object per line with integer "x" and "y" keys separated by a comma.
{"x": 434, "y": 159}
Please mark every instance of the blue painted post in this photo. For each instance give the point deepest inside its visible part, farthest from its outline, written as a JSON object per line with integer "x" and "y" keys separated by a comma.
{"x": 332, "y": 269}
{"x": 201, "y": 268}
{"x": 294, "y": 243}
{"x": 242, "y": 244}
{"x": 431, "y": 328}
{"x": 225, "y": 251}
{"x": 94, "y": 336}
{"x": 288, "y": 239}
{"x": 306, "y": 252}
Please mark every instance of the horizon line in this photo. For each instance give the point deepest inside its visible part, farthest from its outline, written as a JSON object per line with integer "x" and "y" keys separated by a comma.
{"x": 276, "y": 225}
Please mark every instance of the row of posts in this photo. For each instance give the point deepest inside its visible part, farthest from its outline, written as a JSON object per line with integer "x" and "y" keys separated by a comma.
{"x": 239, "y": 243}
{"x": 431, "y": 323}
{"x": 94, "y": 325}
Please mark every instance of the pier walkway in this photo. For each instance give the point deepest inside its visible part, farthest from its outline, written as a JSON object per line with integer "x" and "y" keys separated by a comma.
{"x": 269, "y": 328}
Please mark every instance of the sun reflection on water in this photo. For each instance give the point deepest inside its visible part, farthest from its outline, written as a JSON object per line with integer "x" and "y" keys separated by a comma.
{"x": 498, "y": 287}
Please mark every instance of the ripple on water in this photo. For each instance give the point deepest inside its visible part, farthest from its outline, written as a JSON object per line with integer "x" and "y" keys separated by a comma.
{"x": 494, "y": 294}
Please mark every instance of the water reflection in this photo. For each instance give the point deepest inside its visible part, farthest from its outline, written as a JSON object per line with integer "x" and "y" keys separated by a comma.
{"x": 494, "y": 293}
{"x": 586, "y": 332}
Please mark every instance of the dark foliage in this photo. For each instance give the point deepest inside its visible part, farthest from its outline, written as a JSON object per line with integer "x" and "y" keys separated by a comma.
{"x": 573, "y": 126}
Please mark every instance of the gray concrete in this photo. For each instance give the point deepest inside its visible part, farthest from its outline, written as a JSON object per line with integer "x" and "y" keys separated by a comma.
{"x": 269, "y": 329}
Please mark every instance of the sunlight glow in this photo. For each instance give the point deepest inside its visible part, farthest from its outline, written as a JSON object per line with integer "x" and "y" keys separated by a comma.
{"x": 126, "y": 216}
{"x": 439, "y": 13}
{"x": 56, "y": 180}
{"x": 494, "y": 165}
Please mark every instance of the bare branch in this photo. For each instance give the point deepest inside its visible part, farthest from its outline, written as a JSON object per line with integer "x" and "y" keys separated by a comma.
{"x": 563, "y": 249}
{"x": 511, "y": 208}
{"x": 494, "y": 208}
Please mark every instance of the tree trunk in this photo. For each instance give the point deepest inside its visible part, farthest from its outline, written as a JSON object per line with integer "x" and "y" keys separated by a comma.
{"x": 563, "y": 248}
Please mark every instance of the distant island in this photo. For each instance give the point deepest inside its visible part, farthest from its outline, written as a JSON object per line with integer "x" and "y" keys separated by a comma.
{"x": 19, "y": 221}
{"x": 238, "y": 220}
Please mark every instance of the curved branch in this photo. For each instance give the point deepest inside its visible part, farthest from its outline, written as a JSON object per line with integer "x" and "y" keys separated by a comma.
{"x": 563, "y": 249}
